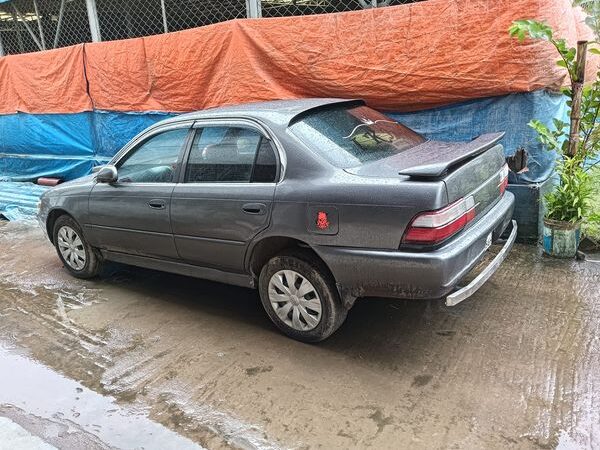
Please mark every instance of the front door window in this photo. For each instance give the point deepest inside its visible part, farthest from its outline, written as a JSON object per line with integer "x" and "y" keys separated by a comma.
{"x": 156, "y": 160}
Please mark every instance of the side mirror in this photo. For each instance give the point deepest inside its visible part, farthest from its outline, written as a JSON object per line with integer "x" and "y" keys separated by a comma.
{"x": 107, "y": 174}
{"x": 97, "y": 169}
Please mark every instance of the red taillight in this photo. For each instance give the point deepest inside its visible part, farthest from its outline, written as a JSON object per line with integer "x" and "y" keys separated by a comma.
{"x": 436, "y": 226}
{"x": 503, "y": 179}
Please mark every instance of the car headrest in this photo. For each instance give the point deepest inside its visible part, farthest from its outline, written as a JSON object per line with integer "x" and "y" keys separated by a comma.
{"x": 220, "y": 154}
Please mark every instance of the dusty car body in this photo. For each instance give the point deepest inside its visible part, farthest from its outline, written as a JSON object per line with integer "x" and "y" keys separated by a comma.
{"x": 259, "y": 195}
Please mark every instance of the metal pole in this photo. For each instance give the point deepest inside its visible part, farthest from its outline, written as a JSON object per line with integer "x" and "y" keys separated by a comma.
{"x": 253, "y": 9}
{"x": 93, "y": 19}
{"x": 164, "y": 15}
{"x": 1, "y": 46}
{"x": 18, "y": 30}
{"x": 130, "y": 33}
{"x": 374, "y": 3}
{"x": 33, "y": 36}
{"x": 61, "y": 14}
{"x": 39, "y": 21}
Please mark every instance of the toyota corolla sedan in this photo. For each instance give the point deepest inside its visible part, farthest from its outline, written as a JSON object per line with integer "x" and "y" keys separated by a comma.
{"x": 313, "y": 202}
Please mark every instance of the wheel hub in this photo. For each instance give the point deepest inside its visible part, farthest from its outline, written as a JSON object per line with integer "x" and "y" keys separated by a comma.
{"x": 295, "y": 300}
{"x": 71, "y": 247}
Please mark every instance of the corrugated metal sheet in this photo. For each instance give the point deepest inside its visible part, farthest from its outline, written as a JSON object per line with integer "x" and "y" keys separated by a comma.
{"x": 18, "y": 201}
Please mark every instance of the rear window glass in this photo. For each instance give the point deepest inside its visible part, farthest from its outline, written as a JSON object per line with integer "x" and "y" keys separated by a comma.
{"x": 350, "y": 137}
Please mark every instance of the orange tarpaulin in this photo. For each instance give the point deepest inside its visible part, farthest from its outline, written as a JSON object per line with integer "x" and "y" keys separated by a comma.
{"x": 44, "y": 82}
{"x": 402, "y": 58}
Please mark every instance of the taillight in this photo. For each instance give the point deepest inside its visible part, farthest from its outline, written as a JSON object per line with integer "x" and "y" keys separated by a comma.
{"x": 503, "y": 179}
{"x": 433, "y": 227}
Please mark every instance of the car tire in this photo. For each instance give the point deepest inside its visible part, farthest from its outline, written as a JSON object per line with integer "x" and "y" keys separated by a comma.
{"x": 297, "y": 290}
{"x": 78, "y": 257}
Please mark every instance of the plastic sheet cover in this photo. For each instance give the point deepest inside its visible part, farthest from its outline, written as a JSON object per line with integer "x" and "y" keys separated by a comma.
{"x": 69, "y": 145}
{"x": 64, "y": 146}
{"x": 508, "y": 113}
{"x": 403, "y": 58}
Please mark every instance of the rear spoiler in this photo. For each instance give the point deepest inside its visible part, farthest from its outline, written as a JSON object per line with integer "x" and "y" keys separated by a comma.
{"x": 329, "y": 104}
{"x": 447, "y": 157}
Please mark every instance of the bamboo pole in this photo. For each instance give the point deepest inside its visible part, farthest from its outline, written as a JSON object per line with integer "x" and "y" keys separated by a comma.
{"x": 577, "y": 88}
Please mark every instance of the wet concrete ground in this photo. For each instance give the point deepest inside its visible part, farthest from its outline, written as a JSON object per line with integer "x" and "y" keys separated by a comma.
{"x": 146, "y": 359}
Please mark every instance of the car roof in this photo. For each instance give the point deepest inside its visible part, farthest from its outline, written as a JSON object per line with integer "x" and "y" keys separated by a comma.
{"x": 275, "y": 113}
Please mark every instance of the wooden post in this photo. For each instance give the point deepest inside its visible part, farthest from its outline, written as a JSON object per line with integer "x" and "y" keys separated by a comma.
{"x": 577, "y": 89}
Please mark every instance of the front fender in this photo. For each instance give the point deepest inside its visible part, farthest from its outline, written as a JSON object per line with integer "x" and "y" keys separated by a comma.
{"x": 70, "y": 198}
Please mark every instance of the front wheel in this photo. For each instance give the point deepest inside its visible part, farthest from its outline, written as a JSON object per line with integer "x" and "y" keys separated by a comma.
{"x": 80, "y": 259}
{"x": 300, "y": 297}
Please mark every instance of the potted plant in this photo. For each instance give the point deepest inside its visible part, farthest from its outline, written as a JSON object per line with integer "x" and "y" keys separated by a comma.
{"x": 576, "y": 143}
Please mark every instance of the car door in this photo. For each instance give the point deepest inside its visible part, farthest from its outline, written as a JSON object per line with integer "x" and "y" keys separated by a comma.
{"x": 226, "y": 194}
{"x": 132, "y": 215}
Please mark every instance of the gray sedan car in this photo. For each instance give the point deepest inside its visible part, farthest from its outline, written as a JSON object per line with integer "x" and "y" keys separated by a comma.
{"x": 313, "y": 202}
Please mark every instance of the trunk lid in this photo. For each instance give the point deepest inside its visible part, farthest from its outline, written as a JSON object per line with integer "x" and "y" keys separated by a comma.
{"x": 466, "y": 168}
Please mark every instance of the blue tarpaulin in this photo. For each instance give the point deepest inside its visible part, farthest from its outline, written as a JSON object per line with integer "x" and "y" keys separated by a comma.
{"x": 64, "y": 146}
{"x": 67, "y": 146}
{"x": 47, "y": 134}
{"x": 113, "y": 130}
{"x": 508, "y": 113}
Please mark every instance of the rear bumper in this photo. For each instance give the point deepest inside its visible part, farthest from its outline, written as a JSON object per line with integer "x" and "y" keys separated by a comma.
{"x": 465, "y": 292}
{"x": 417, "y": 275}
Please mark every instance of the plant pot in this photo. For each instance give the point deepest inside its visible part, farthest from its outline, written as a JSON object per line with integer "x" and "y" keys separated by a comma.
{"x": 561, "y": 239}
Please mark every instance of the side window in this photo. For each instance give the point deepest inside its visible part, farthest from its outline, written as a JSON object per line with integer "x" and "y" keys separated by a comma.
{"x": 223, "y": 154}
{"x": 155, "y": 160}
{"x": 265, "y": 167}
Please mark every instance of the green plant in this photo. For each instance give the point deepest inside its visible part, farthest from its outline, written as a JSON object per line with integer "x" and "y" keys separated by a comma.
{"x": 570, "y": 200}
{"x": 576, "y": 143}
{"x": 592, "y": 225}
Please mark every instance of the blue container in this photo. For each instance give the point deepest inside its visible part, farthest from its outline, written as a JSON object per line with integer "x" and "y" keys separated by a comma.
{"x": 561, "y": 239}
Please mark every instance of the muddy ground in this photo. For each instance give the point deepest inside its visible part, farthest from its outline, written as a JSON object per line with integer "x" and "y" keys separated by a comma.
{"x": 153, "y": 360}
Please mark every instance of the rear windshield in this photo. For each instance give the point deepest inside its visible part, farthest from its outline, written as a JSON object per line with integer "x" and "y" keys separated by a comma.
{"x": 351, "y": 137}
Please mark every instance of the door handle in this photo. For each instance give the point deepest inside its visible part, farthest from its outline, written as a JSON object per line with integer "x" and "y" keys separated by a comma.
{"x": 156, "y": 204}
{"x": 255, "y": 208}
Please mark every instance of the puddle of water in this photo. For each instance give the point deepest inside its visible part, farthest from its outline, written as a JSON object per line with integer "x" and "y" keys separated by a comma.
{"x": 39, "y": 391}
{"x": 13, "y": 436}
{"x": 518, "y": 361}
{"x": 37, "y": 300}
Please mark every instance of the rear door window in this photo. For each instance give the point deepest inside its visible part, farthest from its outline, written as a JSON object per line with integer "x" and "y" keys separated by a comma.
{"x": 230, "y": 154}
{"x": 265, "y": 167}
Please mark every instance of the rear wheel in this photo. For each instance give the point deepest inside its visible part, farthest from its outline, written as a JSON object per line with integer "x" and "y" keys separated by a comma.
{"x": 299, "y": 295}
{"x": 80, "y": 259}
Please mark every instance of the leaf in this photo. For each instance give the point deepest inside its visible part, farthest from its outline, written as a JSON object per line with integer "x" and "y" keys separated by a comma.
{"x": 570, "y": 200}
{"x": 530, "y": 28}
{"x": 558, "y": 124}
